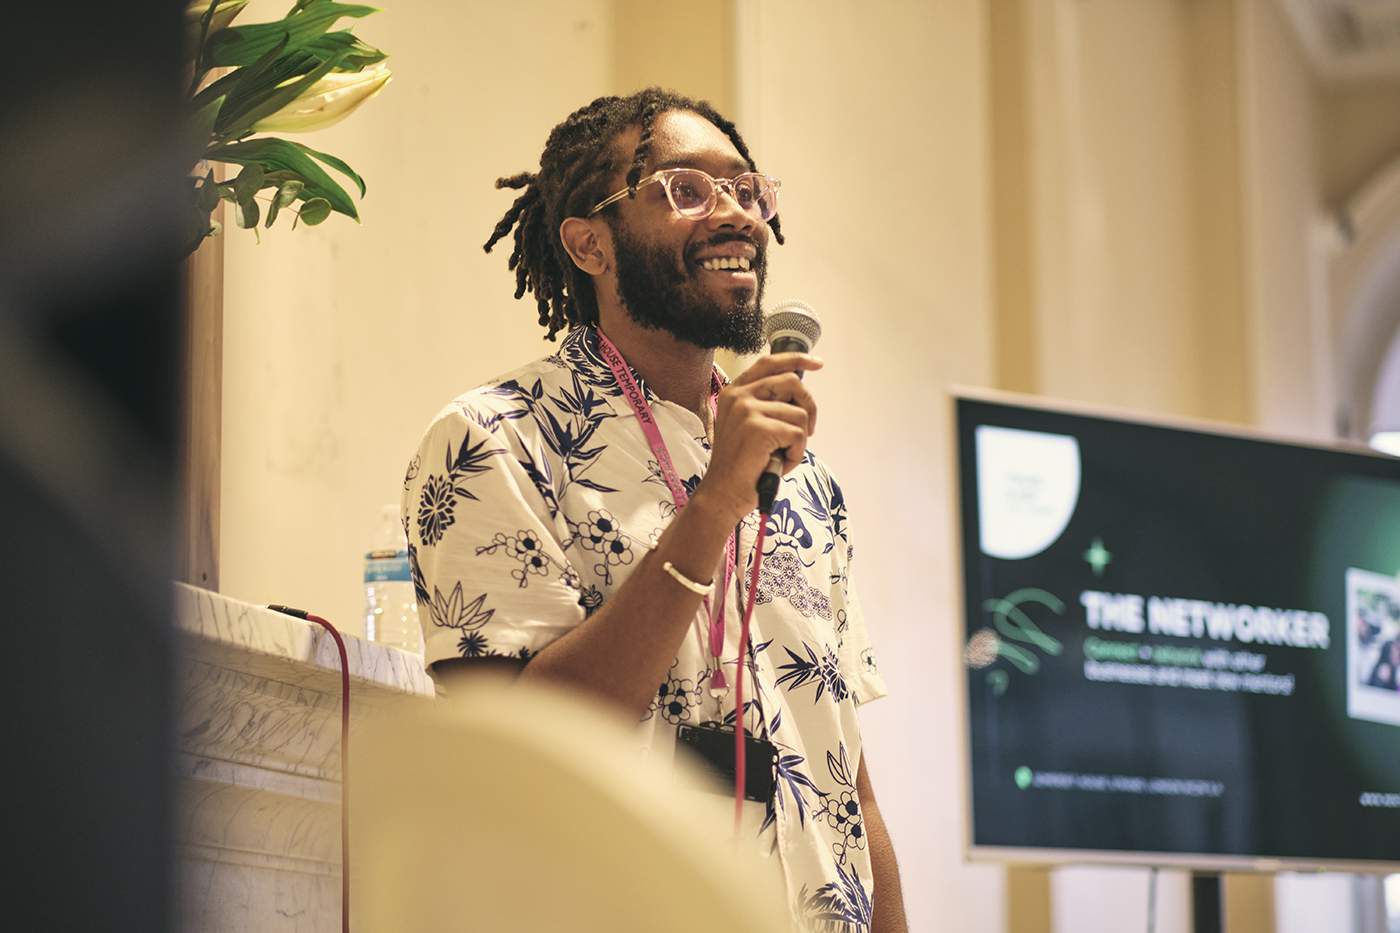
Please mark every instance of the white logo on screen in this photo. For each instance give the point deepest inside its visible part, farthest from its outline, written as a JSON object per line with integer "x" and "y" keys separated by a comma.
{"x": 1027, "y": 488}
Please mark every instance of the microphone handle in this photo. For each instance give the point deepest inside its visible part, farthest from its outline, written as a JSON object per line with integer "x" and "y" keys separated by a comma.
{"x": 768, "y": 484}
{"x": 773, "y": 473}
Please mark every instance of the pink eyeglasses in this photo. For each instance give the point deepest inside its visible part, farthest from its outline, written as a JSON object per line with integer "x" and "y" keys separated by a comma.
{"x": 693, "y": 194}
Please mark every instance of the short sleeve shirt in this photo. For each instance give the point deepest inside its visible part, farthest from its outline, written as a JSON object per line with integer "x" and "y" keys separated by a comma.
{"x": 530, "y": 501}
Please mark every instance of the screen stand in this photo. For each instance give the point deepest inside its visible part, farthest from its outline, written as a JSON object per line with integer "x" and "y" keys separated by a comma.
{"x": 1205, "y": 903}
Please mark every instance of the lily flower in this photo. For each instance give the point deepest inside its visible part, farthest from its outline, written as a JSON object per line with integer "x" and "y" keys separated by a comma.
{"x": 327, "y": 102}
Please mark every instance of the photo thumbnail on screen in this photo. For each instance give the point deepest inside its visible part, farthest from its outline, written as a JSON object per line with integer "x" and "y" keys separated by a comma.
{"x": 1373, "y": 646}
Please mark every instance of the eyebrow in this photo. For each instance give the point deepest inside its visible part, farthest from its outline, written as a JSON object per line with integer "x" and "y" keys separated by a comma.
{"x": 739, "y": 166}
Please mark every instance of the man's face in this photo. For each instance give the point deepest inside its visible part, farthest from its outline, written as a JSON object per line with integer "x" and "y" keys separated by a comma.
{"x": 668, "y": 276}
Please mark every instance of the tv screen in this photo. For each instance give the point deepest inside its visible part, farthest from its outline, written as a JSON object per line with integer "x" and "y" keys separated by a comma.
{"x": 1181, "y": 645}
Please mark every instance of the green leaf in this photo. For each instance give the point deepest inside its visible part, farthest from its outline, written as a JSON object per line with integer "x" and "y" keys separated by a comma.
{"x": 337, "y": 164}
{"x": 233, "y": 83}
{"x": 280, "y": 98}
{"x": 199, "y": 44}
{"x": 227, "y": 11}
{"x": 278, "y": 179}
{"x": 226, "y": 85}
{"x": 243, "y": 45}
{"x": 196, "y": 219}
{"x": 314, "y": 211}
{"x": 201, "y": 127}
{"x": 286, "y": 194}
{"x": 358, "y": 54}
{"x": 207, "y": 195}
{"x": 246, "y": 87}
{"x": 280, "y": 155}
{"x": 248, "y": 182}
{"x": 245, "y": 214}
{"x": 211, "y": 19}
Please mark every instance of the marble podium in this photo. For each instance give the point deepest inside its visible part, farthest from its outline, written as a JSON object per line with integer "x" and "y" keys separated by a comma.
{"x": 258, "y": 761}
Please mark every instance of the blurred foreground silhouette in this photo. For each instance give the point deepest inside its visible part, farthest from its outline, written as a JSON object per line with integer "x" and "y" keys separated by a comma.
{"x": 89, "y": 323}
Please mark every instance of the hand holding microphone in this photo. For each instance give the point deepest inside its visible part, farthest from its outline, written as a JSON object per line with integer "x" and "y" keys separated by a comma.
{"x": 790, "y": 327}
{"x": 765, "y": 417}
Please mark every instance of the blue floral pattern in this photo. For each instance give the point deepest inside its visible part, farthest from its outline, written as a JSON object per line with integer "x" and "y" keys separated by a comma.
{"x": 840, "y": 906}
{"x": 676, "y": 698}
{"x": 527, "y": 548}
{"x": 782, "y": 576}
{"x": 824, "y": 671}
{"x": 667, "y": 505}
{"x": 841, "y": 807}
{"x": 439, "y": 496}
{"x": 546, "y": 500}
{"x": 591, "y": 599}
{"x": 602, "y": 534}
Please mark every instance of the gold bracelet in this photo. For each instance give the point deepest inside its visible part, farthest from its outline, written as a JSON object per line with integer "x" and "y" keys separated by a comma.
{"x": 701, "y": 589}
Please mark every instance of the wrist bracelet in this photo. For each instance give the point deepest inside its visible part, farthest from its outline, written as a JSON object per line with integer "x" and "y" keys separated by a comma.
{"x": 701, "y": 589}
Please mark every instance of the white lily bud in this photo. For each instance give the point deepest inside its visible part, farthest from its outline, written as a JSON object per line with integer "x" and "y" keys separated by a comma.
{"x": 327, "y": 102}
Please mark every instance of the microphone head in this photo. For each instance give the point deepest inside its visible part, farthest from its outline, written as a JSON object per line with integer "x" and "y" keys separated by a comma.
{"x": 793, "y": 323}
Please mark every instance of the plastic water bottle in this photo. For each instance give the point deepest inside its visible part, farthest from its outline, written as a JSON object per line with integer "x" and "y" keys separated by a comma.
{"x": 391, "y": 615}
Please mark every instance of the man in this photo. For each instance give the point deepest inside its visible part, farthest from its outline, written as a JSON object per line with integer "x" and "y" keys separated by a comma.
{"x": 590, "y": 518}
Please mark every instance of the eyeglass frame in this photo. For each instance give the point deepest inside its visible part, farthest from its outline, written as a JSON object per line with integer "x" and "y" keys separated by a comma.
{"x": 665, "y": 175}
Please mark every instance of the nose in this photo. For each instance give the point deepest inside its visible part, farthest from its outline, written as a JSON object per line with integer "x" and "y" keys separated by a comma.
{"x": 728, "y": 211}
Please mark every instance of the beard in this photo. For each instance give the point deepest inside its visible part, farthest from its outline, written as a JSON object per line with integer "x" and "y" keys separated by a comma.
{"x": 659, "y": 295}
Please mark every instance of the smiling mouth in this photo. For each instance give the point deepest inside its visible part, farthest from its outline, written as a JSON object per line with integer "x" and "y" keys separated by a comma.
{"x": 723, "y": 263}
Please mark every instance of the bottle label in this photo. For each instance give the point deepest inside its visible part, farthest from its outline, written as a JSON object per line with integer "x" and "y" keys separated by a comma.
{"x": 387, "y": 567}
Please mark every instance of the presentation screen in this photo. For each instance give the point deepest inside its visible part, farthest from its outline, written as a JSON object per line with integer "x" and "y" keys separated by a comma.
{"x": 1180, "y": 645}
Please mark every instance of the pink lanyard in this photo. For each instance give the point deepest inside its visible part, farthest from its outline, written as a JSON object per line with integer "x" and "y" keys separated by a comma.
{"x": 719, "y": 684}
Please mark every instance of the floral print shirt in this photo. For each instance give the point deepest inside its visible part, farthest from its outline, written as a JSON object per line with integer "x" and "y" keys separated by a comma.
{"x": 529, "y": 502}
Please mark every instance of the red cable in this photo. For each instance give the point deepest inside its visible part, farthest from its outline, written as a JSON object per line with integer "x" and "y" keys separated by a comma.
{"x": 740, "y": 764}
{"x": 344, "y": 759}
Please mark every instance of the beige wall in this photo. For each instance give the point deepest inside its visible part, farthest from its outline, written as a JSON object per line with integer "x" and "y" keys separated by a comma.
{"x": 1290, "y": 353}
{"x": 1162, "y": 175}
{"x": 1358, "y": 133}
{"x": 1108, "y": 208}
{"x": 875, "y": 117}
{"x": 687, "y": 48}
{"x": 1308, "y": 148}
{"x": 1117, "y": 204}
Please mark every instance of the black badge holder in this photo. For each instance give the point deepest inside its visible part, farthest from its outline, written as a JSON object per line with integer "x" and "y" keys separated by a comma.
{"x": 714, "y": 744}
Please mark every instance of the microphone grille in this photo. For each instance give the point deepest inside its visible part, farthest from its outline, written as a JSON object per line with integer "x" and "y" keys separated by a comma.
{"x": 792, "y": 315}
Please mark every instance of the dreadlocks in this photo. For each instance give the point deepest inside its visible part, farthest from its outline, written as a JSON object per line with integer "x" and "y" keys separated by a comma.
{"x": 578, "y": 161}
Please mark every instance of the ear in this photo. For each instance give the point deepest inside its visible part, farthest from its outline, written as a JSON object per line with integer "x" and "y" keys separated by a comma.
{"x": 587, "y": 243}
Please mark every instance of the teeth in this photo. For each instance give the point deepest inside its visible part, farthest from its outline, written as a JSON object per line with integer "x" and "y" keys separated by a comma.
{"x": 725, "y": 262}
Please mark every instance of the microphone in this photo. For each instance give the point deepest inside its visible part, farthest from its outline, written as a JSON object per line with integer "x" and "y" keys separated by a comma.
{"x": 790, "y": 327}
